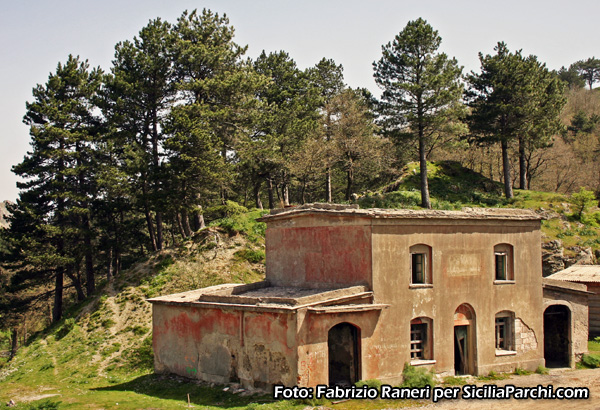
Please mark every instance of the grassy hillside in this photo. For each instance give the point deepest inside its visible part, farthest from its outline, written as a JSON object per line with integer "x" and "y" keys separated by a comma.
{"x": 100, "y": 355}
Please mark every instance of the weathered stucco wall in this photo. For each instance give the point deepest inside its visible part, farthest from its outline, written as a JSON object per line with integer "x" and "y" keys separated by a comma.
{"x": 313, "y": 329}
{"x": 463, "y": 271}
{"x": 225, "y": 345}
{"x": 318, "y": 251}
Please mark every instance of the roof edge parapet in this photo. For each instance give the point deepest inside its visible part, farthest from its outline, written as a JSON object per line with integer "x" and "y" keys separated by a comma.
{"x": 354, "y": 210}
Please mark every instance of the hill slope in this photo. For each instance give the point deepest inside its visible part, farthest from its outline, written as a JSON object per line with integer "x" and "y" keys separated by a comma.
{"x": 100, "y": 355}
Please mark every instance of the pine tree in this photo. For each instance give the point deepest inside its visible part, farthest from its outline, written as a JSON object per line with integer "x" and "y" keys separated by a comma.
{"x": 51, "y": 224}
{"x": 139, "y": 95}
{"x": 515, "y": 99}
{"x": 421, "y": 89}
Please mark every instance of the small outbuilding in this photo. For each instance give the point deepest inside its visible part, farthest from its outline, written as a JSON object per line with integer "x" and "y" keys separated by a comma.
{"x": 565, "y": 322}
{"x": 589, "y": 276}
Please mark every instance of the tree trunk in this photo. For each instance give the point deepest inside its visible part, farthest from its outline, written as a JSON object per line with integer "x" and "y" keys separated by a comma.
{"x": 350, "y": 181}
{"x": 508, "y": 191}
{"x": 90, "y": 279}
{"x": 256, "y": 191}
{"x": 328, "y": 197}
{"x": 186, "y": 223}
{"x": 14, "y": 345}
{"x": 159, "y": 231}
{"x": 149, "y": 222}
{"x": 76, "y": 282}
{"x": 522, "y": 164}
{"x": 58, "y": 295}
{"x": 180, "y": 224}
{"x": 199, "y": 219}
{"x": 109, "y": 266}
{"x": 270, "y": 192}
{"x": 425, "y": 201}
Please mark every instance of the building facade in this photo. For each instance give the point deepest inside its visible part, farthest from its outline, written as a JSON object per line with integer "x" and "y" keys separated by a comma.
{"x": 355, "y": 294}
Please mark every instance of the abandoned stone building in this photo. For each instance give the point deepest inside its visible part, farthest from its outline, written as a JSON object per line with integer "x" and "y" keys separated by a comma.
{"x": 355, "y": 294}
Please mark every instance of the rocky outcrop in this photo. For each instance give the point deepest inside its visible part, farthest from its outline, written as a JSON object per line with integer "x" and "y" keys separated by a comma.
{"x": 554, "y": 259}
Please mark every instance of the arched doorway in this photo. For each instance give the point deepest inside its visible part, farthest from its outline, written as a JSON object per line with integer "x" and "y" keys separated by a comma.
{"x": 464, "y": 340}
{"x": 342, "y": 344}
{"x": 557, "y": 336}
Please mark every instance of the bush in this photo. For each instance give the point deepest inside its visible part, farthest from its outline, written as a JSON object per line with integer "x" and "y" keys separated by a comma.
{"x": 591, "y": 360}
{"x": 581, "y": 201}
{"x": 454, "y": 381}
{"x": 416, "y": 377}
{"x": 370, "y": 383}
{"x": 521, "y": 372}
{"x": 542, "y": 370}
{"x": 251, "y": 255}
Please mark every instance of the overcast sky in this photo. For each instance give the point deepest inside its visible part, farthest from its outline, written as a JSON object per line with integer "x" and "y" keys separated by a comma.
{"x": 37, "y": 34}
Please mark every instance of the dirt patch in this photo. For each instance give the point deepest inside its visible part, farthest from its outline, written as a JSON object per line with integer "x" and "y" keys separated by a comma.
{"x": 556, "y": 378}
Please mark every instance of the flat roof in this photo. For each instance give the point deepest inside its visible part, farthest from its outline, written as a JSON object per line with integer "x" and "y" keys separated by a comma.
{"x": 263, "y": 296}
{"x": 578, "y": 273}
{"x": 374, "y": 213}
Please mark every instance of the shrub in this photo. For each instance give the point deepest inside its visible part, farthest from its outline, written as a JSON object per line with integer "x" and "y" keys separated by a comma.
{"x": 542, "y": 370}
{"x": 591, "y": 360}
{"x": 416, "y": 377}
{"x": 370, "y": 382}
{"x": 521, "y": 372}
{"x": 581, "y": 201}
{"x": 454, "y": 381}
{"x": 251, "y": 255}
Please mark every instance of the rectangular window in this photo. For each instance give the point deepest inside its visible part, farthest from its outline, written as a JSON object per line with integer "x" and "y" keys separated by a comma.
{"x": 502, "y": 333}
{"x": 418, "y": 340}
{"x": 501, "y": 266}
{"x": 418, "y": 268}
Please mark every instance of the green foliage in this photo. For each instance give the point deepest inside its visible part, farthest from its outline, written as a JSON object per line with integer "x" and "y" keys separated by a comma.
{"x": 589, "y": 70}
{"x": 370, "y": 383}
{"x": 521, "y": 372}
{"x": 44, "y": 405}
{"x": 514, "y": 99}
{"x": 542, "y": 370}
{"x": 581, "y": 201}
{"x": 416, "y": 377}
{"x": 66, "y": 328}
{"x": 421, "y": 90}
{"x": 591, "y": 361}
{"x": 251, "y": 255}
{"x": 492, "y": 375}
{"x": 245, "y": 224}
{"x": 454, "y": 381}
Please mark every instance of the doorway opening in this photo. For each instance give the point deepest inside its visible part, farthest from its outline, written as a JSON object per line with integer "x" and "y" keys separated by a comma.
{"x": 464, "y": 340}
{"x": 557, "y": 337}
{"x": 343, "y": 348}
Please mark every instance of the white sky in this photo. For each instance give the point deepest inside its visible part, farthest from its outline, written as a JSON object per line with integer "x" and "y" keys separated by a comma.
{"x": 36, "y": 34}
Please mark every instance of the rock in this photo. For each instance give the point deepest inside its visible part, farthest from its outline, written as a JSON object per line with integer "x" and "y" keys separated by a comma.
{"x": 553, "y": 259}
{"x": 584, "y": 257}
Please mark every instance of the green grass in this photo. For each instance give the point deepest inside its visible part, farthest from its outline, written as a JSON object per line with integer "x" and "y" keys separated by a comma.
{"x": 494, "y": 376}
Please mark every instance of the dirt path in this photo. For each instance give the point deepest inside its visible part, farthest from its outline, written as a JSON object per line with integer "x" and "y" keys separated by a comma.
{"x": 557, "y": 378}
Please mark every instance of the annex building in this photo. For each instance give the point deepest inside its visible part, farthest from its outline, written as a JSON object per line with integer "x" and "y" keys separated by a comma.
{"x": 355, "y": 294}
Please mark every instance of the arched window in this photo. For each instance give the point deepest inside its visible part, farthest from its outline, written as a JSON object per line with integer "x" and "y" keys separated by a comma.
{"x": 421, "y": 339}
{"x": 420, "y": 264}
{"x": 505, "y": 331}
{"x": 503, "y": 262}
